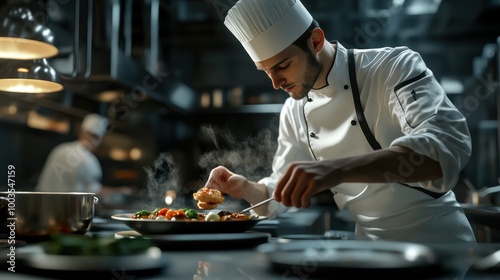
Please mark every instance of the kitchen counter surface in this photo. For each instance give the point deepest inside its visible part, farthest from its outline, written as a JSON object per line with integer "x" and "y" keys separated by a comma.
{"x": 248, "y": 261}
{"x": 235, "y": 264}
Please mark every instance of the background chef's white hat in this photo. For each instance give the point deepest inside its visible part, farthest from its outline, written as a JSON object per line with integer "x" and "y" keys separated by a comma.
{"x": 266, "y": 27}
{"x": 95, "y": 124}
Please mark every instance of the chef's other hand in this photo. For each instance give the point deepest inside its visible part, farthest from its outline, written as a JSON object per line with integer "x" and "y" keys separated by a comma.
{"x": 226, "y": 181}
{"x": 302, "y": 180}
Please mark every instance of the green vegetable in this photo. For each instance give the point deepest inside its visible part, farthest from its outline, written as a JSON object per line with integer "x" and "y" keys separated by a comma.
{"x": 142, "y": 213}
{"x": 191, "y": 214}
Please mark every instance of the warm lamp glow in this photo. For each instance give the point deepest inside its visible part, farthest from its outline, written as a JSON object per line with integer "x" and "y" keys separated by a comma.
{"x": 170, "y": 197}
{"x": 29, "y": 86}
{"x": 12, "y": 109}
{"x": 25, "y": 44}
{"x": 21, "y": 37}
{"x": 118, "y": 154}
{"x": 26, "y": 76}
{"x": 38, "y": 121}
{"x": 18, "y": 48}
{"x": 135, "y": 153}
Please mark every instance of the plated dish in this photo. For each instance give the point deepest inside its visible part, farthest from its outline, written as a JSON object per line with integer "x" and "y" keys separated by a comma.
{"x": 164, "y": 226}
{"x": 93, "y": 254}
{"x": 190, "y": 221}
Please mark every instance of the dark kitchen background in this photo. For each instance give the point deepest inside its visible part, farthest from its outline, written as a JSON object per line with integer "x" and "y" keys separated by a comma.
{"x": 183, "y": 95}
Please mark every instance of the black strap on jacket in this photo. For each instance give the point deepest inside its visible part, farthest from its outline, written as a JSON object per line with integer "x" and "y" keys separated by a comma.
{"x": 357, "y": 103}
{"x": 362, "y": 121}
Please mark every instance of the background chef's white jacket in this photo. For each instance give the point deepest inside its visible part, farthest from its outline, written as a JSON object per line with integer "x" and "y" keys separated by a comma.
{"x": 70, "y": 167}
{"x": 400, "y": 111}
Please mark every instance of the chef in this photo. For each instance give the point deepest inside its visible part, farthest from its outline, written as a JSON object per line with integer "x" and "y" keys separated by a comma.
{"x": 373, "y": 126}
{"x": 73, "y": 166}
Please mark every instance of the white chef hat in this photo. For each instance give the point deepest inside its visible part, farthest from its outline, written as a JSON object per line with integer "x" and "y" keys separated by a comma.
{"x": 266, "y": 27}
{"x": 95, "y": 123}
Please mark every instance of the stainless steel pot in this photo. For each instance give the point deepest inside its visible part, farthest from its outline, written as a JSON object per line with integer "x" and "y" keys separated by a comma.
{"x": 39, "y": 214}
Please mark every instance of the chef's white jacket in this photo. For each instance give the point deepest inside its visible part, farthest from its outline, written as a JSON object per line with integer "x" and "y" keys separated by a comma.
{"x": 399, "y": 111}
{"x": 70, "y": 167}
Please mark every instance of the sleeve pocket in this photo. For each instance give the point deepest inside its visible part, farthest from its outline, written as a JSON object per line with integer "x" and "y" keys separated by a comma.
{"x": 415, "y": 99}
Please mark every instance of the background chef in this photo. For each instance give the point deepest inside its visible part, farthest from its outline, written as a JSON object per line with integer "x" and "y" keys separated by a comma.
{"x": 401, "y": 190}
{"x": 73, "y": 166}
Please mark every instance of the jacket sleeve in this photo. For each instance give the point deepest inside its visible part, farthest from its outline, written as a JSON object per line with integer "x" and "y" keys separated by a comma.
{"x": 289, "y": 149}
{"x": 431, "y": 124}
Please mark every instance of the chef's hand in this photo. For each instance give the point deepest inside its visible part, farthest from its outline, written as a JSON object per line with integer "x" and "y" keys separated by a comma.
{"x": 226, "y": 181}
{"x": 302, "y": 180}
{"x": 238, "y": 187}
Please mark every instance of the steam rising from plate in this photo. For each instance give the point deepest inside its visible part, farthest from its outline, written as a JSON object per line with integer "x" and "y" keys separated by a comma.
{"x": 162, "y": 178}
{"x": 251, "y": 157}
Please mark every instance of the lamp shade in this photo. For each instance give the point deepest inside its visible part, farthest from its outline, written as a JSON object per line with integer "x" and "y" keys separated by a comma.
{"x": 21, "y": 37}
{"x": 29, "y": 76}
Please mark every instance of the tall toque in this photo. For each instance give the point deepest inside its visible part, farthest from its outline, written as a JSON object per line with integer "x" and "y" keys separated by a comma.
{"x": 266, "y": 27}
{"x": 95, "y": 123}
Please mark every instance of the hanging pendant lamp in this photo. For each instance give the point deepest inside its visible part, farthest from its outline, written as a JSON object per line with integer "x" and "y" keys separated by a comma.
{"x": 21, "y": 37}
{"x": 29, "y": 76}
{"x": 24, "y": 47}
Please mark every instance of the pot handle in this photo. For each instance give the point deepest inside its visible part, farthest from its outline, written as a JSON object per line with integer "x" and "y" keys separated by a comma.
{"x": 96, "y": 200}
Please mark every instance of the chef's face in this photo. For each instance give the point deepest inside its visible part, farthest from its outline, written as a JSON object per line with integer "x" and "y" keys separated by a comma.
{"x": 293, "y": 70}
{"x": 91, "y": 140}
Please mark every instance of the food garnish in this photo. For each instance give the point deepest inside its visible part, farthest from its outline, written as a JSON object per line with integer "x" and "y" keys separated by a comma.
{"x": 211, "y": 216}
{"x": 189, "y": 215}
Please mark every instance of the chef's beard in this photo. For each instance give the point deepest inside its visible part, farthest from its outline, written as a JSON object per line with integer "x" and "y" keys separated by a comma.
{"x": 312, "y": 73}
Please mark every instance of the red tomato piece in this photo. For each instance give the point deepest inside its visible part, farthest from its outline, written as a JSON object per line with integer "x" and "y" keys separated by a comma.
{"x": 180, "y": 213}
{"x": 162, "y": 211}
{"x": 170, "y": 214}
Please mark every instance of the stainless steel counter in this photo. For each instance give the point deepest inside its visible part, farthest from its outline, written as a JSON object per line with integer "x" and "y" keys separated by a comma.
{"x": 248, "y": 262}
{"x": 238, "y": 264}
